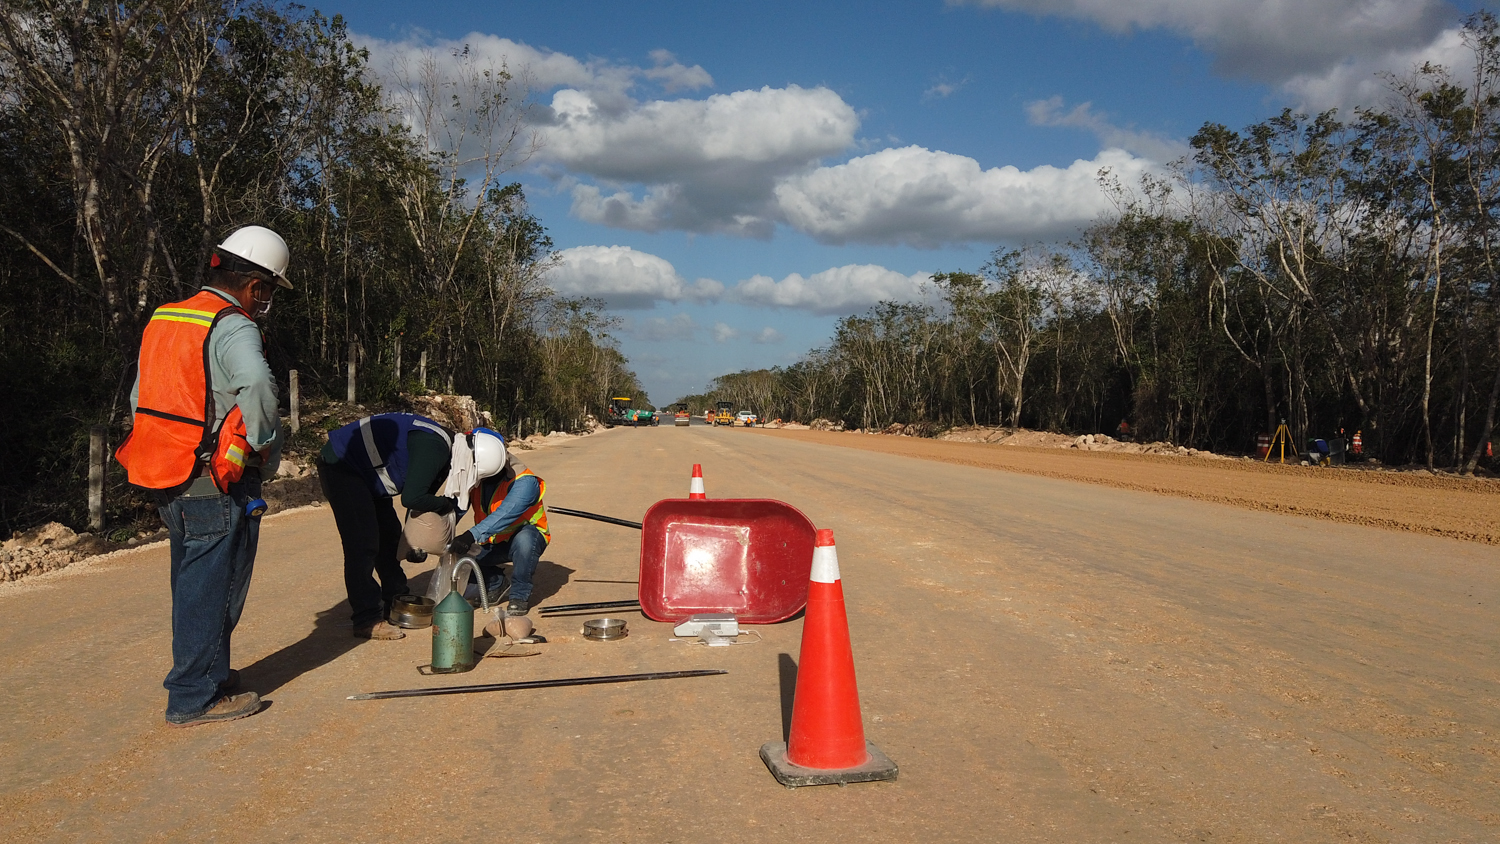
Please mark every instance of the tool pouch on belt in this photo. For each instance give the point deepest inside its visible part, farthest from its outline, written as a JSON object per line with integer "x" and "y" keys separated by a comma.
{"x": 231, "y": 453}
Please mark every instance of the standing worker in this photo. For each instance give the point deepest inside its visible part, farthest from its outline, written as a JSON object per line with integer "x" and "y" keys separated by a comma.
{"x": 205, "y": 428}
{"x": 509, "y": 518}
{"x": 362, "y": 467}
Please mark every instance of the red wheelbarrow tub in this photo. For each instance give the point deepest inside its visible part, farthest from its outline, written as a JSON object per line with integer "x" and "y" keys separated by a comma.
{"x": 747, "y": 556}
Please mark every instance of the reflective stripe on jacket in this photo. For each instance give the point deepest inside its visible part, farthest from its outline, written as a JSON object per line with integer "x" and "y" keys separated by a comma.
{"x": 536, "y": 514}
{"x": 375, "y": 446}
{"x": 173, "y": 433}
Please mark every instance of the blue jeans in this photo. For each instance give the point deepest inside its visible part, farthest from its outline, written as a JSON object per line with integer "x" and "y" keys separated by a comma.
{"x": 524, "y": 549}
{"x": 213, "y": 555}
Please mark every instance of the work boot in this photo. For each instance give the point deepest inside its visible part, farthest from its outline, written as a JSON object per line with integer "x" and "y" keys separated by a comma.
{"x": 228, "y": 708}
{"x": 497, "y": 589}
{"x": 382, "y": 630}
{"x": 493, "y": 593}
{"x": 230, "y": 683}
{"x": 517, "y": 607}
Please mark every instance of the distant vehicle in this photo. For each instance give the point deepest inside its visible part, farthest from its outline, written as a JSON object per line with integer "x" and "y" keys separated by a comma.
{"x": 724, "y": 413}
{"x": 745, "y": 419}
{"x": 681, "y": 416}
{"x": 619, "y": 412}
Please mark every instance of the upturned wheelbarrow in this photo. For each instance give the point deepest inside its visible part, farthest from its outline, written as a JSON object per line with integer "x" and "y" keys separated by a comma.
{"x": 746, "y": 556}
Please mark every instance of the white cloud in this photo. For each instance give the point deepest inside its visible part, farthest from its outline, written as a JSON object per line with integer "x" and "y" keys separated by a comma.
{"x": 1273, "y": 40}
{"x": 925, "y": 198}
{"x": 607, "y": 83}
{"x": 1053, "y": 111}
{"x": 711, "y": 165}
{"x": 626, "y": 278}
{"x": 768, "y": 336}
{"x": 674, "y": 76}
{"x": 745, "y": 162}
{"x": 841, "y": 290}
{"x": 677, "y": 327}
{"x": 677, "y": 206}
{"x": 724, "y": 332}
{"x": 1361, "y": 81}
{"x": 944, "y": 89}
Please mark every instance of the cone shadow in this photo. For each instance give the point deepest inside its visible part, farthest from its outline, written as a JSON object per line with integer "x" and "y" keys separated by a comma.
{"x": 787, "y": 667}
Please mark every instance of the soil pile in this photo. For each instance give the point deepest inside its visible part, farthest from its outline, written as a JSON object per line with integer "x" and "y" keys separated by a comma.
{"x": 1442, "y": 505}
{"x": 1044, "y": 439}
{"x": 47, "y": 548}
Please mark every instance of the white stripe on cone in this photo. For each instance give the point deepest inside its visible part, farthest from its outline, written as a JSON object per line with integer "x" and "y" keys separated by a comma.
{"x": 825, "y": 565}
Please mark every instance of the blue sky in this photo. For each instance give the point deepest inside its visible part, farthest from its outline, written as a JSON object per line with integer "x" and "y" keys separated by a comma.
{"x": 733, "y": 178}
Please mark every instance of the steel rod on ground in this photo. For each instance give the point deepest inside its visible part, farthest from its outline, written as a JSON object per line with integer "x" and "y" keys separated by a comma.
{"x": 96, "y": 477}
{"x": 563, "y": 511}
{"x": 597, "y": 605}
{"x": 538, "y": 684}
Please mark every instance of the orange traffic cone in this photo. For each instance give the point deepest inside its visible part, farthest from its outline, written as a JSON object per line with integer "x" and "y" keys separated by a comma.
{"x": 695, "y": 489}
{"x": 827, "y": 743}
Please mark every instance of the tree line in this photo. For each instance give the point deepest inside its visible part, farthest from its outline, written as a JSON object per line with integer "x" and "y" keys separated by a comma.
{"x": 135, "y": 136}
{"x": 1337, "y": 274}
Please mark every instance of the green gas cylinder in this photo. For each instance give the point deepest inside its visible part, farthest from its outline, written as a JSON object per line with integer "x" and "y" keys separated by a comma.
{"x": 452, "y": 635}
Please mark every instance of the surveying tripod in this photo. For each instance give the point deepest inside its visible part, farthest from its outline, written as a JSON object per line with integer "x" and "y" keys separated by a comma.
{"x": 1283, "y": 436}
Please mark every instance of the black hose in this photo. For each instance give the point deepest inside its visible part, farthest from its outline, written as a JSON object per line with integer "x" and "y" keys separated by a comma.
{"x": 562, "y": 511}
{"x": 537, "y": 684}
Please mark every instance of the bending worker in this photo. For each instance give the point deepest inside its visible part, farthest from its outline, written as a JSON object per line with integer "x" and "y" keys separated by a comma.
{"x": 362, "y": 467}
{"x": 205, "y": 427}
{"x": 510, "y": 520}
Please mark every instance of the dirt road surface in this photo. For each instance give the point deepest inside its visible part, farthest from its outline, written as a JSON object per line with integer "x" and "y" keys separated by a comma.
{"x": 1046, "y": 660}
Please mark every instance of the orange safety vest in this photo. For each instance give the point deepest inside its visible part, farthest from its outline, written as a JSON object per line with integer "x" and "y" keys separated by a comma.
{"x": 173, "y": 433}
{"x": 536, "y": 514}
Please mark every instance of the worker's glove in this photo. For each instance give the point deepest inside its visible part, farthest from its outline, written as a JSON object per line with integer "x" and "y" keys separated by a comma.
{"x": 461, "y": 543}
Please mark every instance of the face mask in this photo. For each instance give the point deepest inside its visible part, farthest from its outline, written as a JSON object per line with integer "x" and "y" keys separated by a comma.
{"x": 261, "y": 308}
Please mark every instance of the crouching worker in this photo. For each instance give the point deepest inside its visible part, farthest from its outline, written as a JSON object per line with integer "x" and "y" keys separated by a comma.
{"x": 510, "y": 520}
{"x": 363, "y": 467}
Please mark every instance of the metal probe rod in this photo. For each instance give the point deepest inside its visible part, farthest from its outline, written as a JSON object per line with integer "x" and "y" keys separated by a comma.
{"x": 562, "y": 511}
{"x": 537, "y": 684}
{"x": 597, "y": 605}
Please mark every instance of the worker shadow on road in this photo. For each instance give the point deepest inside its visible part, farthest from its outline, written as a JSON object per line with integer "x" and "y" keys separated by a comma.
{"x": 549, "y": 579}
{"x": 328, "y": 640}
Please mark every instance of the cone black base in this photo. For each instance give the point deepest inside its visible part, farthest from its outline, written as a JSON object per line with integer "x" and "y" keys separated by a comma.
{"x": 879, "y": 768}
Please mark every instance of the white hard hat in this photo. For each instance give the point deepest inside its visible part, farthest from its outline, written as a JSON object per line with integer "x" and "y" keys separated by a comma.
{"x": 489, "y": 452}
{"x": 261, "y": 248}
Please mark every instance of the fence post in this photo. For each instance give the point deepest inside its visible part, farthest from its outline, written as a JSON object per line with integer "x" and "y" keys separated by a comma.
{"x": 398, "y": 361}
{"x": 96, "y": 477}
{"x": 353, "y": 356}
{"x": 422, "y": 368}
{"x": 296, "y": 402}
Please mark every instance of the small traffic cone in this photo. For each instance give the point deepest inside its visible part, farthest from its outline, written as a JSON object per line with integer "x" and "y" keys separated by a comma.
{"x": 827, "y": 743}
{"x": 695, "y": 489}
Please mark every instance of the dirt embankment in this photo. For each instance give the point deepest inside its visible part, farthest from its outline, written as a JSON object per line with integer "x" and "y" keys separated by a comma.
{"x": 1461, "y": 508}
{"x": 54, "y": 546}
